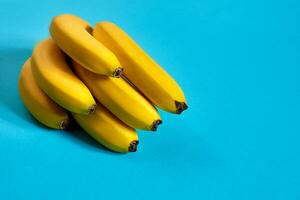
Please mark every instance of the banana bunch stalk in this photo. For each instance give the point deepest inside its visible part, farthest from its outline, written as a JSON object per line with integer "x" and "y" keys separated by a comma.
{"x": 102, "y": 78}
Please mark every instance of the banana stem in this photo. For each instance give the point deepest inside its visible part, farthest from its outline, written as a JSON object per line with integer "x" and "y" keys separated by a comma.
{"x": 133, "y": 146}
{"x": 180, "y": 107}
{"x": 64, "y": 124}
{"x": 118, "y": 72}
{"x": 155, "y": 124}
{"x": 92, "y": 108}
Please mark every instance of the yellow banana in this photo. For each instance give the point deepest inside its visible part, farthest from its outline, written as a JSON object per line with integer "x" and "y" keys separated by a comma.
{"x": 108, "y": 130}
{"x": 38, "y": 103}
{"x": 121, "y": 99}
{"x": 153, "y": 81}
{"x": 56, "y": 79}
{"x": 73, "y": 35}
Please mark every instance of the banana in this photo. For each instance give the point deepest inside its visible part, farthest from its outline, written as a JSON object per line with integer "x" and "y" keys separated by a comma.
{"x": 153, "y": 81}
{"x": 121, "y": 99}
{"x": 108, "y": 130}
{"x": 73, "y": 35}
{"x": 38, "y": 103}
{"x": 56, "y": 79}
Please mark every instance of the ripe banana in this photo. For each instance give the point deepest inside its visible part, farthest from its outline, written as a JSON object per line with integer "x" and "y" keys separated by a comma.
{"x": 108, "y": 130}
{"x": 56, "y": 79}
{"x": 38, "y": 103}
{"x": 73, "y": 35}
{"x": 121, "y": 99}
{"x": 154, "y": 82}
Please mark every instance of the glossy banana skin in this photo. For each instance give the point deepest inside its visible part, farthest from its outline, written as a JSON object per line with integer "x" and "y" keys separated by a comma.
{"x": 38, "y": 103}
{"x": 153, "y": 81}
{"x": 121, "y": 99}
{"x": 73, "y": 35}
{"x": 108, "y": 130}
{"x": 53, "y": 75}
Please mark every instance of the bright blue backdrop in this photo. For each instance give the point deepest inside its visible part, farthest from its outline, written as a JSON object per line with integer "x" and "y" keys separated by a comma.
{"x": 238, "y": 62}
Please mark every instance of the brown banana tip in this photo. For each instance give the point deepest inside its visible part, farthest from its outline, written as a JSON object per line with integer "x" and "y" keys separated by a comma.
{"x": 180, "y": 107}
{"x": 92, "y": 108}
{"x": 64, "y": 124}
{"x": 155, "y": 124}
{"x": 118, "y": 72}
{"x": 133, "y": 146}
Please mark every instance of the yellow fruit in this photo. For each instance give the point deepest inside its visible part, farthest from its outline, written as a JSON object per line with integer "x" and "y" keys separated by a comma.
{"x": 153, "y": 81}
{"x": 121, "y": 99}
{"x": 108, "y": 130}
{"x": 38, "y": 103}
{"x": 73, "y": 35}
{"x": 56, "y": 79}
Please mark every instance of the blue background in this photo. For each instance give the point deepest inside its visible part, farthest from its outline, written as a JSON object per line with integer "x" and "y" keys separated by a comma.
{"x": 238, "y": 63}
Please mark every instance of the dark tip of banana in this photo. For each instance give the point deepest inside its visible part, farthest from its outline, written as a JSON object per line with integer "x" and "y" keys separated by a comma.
{"x": 92, "y": 109}
{"x": 118, "y": 72}
{"x": 133, "y": 146}
{"x": 155, "y": 124}
{"x": 64, "y": 124}
{"x": 180, "y": 107}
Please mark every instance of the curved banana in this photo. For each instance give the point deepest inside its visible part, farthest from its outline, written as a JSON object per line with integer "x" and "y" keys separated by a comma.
{"x": 38, "y": 103}
{"x": 121, "y": 99}
{"x": 154, "y": 82}
{"x": 73, "y": 35}
{"x": 56, "y": 79}
{"x": 108, "y": 130}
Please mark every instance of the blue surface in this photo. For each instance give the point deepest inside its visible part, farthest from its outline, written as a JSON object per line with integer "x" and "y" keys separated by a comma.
{"x": 238, "y": 63}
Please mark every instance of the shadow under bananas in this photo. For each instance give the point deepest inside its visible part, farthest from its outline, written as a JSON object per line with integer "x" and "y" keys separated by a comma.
{"x": 12, "y": 108}
{"x": 11, "y": 61}
{"x": 75, "y": 132}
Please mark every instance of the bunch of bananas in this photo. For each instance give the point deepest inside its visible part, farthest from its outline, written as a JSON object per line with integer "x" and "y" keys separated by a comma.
{"x": 101, "y": 78}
